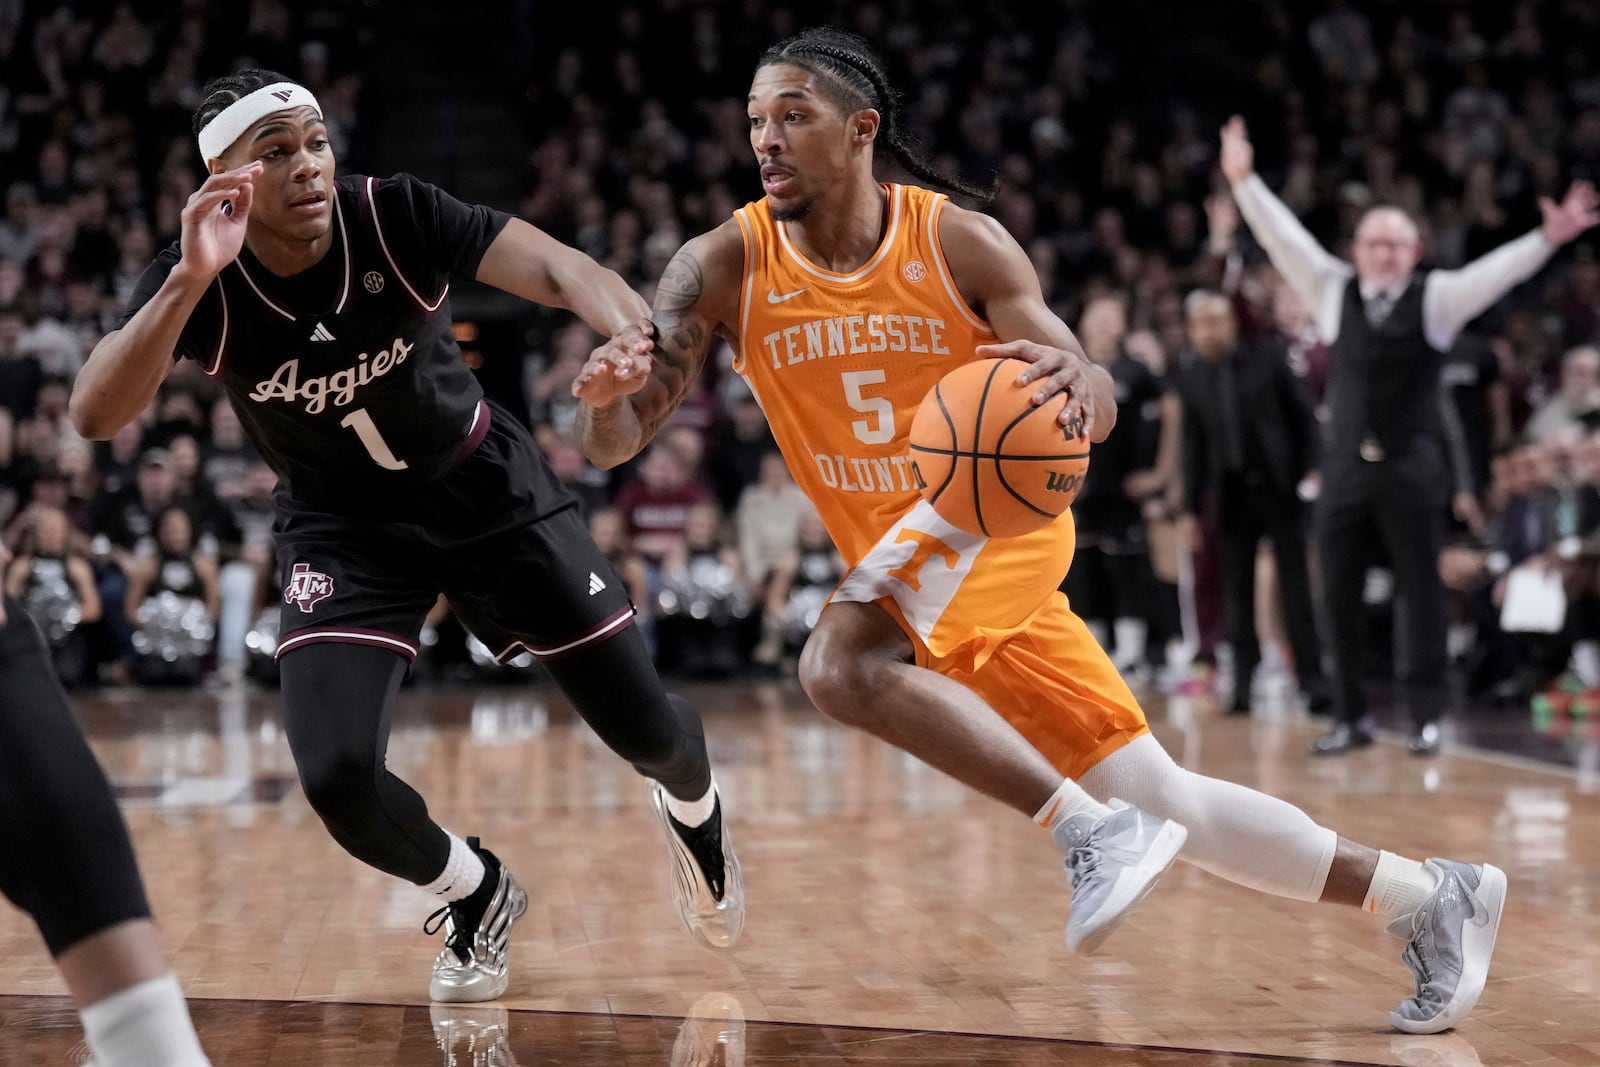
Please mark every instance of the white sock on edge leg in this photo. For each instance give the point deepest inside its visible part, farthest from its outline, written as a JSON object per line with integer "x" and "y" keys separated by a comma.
{"x": 146, "y": 1025}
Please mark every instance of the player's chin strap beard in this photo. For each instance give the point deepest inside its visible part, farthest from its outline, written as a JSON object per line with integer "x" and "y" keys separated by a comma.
{"x": 232, "y": 121}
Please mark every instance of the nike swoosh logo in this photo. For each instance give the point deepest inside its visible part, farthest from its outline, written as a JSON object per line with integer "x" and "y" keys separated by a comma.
{"x": 774, "y": 298}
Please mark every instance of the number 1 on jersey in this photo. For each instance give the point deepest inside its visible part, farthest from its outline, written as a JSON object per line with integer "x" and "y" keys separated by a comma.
{"x": 359, "y": 421}
{"x": 880, "y": 406}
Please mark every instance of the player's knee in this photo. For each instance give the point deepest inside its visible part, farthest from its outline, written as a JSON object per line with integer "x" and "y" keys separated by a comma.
{"x": 341, "y": 789}
{"x": 838, "y": 680}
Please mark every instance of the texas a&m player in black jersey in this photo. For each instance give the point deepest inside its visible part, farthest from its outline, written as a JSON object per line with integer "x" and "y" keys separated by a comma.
{"x": 321, "y": 306}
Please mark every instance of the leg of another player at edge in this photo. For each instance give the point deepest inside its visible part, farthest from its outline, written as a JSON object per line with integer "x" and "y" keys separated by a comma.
{"x": 132, "y": 1009}
{"x": 69, "y": 864}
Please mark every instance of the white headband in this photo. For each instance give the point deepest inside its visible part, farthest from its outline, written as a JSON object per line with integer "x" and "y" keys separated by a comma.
{"x": 245, "y": 112}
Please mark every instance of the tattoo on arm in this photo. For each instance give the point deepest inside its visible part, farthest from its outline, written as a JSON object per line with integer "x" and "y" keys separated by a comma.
{"x": 683, "y": 337}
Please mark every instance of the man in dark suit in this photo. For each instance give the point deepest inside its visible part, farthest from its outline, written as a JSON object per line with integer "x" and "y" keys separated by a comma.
{"x": 1395, "y": 448}
{"x": 1250, "y": 440}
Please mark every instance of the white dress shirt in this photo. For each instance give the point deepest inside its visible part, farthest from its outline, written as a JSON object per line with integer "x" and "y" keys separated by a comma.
{"x": 1450, "y": 299}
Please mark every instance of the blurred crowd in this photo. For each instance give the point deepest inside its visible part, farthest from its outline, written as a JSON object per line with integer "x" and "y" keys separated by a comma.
{"x": 150, "y": 554}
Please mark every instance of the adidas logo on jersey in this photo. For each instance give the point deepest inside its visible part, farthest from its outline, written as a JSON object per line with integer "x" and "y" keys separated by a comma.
{"x": 321, "y": 333}
{"x": 595, "y": 584}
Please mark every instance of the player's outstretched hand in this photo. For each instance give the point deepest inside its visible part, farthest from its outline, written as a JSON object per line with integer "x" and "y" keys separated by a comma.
{"x": 1057, "y": 371}
{"x": 214, "y": 220}
{"x": 618, "y": 368}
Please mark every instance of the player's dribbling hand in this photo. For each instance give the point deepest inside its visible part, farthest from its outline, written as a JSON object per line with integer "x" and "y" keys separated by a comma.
{"x": 618, "y": 368}
{"x": 214, "y": 221}
{"x": 1057, "y": 371}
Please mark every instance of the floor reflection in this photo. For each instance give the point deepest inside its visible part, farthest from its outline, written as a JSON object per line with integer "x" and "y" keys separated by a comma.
{"x": 43, "y": 1030}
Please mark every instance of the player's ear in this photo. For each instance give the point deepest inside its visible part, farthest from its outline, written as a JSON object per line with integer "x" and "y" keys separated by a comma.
{"x": 864, "y": 125}
{"x": 215, "y": 166}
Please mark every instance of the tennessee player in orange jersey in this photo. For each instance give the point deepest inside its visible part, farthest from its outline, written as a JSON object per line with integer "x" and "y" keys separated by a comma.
{"x": 845, "y": 300}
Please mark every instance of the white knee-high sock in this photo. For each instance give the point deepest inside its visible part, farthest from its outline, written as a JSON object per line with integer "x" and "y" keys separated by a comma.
{"x": 146, "y": 1025}
{"x": 1242, "y": 835}
{"x": 1399, "y": 886}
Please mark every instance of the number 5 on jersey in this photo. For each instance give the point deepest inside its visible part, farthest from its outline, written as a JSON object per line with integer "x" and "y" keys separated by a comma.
{"x": 359, "y": 421}
{"x": 867, "y": 433}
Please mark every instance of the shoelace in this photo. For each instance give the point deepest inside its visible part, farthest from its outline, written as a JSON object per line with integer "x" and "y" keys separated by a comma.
{"x": 458, "y": 941}
{"x": 705, "y": 842}
{"x": 1083, "y": 861}
{"x": 705, "y": 845}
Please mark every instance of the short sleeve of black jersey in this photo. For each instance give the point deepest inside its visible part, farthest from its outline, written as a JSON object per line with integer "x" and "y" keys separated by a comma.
{"x": 453, "y": 236}
{"x": 200, "y": 332}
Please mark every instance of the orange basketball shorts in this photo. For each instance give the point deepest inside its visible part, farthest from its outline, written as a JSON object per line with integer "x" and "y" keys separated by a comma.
{"x": 986, "y": 613}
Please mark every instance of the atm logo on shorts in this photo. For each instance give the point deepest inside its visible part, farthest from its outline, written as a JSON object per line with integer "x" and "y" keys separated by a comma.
{"x": 307, "y": 587}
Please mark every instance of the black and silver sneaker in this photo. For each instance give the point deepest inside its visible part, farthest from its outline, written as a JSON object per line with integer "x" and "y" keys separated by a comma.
{"x": 707, "y": 885}
{"x": 473, "y": 966}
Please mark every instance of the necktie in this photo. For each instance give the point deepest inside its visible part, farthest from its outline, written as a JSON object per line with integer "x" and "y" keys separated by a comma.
{"x": 1378, "y": 308}
{"x": 1228, "y": 413}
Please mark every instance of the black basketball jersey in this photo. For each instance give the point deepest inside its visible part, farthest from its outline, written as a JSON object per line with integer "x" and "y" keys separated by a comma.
{"x": 347, "y": 377}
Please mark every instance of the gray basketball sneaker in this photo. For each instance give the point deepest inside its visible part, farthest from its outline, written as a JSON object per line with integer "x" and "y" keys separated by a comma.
{"x": 1112, "y": 862}
{"x": 1449, "y": 941}
{"x": 707, "y": 885}
{"x": 474, "y": 964}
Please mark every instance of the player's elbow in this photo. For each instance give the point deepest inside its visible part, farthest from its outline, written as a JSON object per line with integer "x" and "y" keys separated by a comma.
{"x": 90, "y": 418}
{"x": 603, "y": 457}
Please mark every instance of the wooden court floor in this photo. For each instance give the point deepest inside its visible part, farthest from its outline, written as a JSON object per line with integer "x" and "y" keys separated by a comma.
{"x": 894, "y": 918}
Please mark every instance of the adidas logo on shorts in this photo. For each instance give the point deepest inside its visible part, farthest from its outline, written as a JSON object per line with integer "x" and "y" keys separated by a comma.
{"x": 595, "y": 584}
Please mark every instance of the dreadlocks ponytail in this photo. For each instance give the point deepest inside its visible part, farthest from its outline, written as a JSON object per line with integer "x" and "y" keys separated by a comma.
{"x": 856, "y": 76}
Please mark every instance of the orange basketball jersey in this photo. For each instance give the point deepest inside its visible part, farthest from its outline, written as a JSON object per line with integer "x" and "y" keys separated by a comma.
{"x": 840, "y": 363}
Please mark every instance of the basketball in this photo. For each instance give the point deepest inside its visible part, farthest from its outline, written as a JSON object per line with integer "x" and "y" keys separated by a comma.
{"x": 989, "y": 460}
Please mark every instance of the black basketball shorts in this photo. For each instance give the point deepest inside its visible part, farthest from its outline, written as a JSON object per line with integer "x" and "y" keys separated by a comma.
{"x": 498, "y": 535}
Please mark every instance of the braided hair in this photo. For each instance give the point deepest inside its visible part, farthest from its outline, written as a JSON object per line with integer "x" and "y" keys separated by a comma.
{"x": 220, "y": 92}
{"x": 855, "y": 79}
